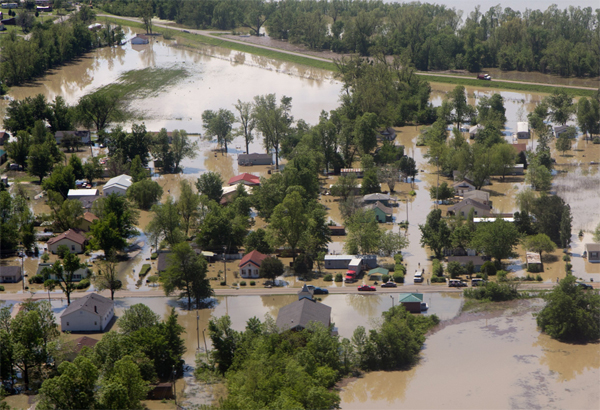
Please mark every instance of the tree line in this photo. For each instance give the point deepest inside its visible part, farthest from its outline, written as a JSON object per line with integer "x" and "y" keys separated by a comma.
{"x": 51, "y": 45}
{"x": 434, "y": 37}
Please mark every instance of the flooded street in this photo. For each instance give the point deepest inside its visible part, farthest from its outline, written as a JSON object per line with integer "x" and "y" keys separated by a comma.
{"x": 483, "y": 362}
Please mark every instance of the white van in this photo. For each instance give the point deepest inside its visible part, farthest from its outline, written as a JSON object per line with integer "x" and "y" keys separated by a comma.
{"x": 418, "y": 277}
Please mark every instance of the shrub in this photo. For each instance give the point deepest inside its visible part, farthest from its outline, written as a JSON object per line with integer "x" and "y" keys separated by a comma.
{"x": 234, "y": 284}
{"x": 339, "y": 277}
{"x": 36, "y": 279}
{"x": 223, "y": 283}
{"x": 489, "y": 268}
{"x": 596, "y": 140}
{"x": 145, "y": 269}
{"x": 243, "y": 283}
{"x": 328, "y": 277}
{"x": 62, "y": 251}
{"x": 1, "y": 288}
{"x": 568, "y": 266}
{"x": 398, "y": 277}
{"x": 398, "y": 258}
{"x": 400, "y": 268}
{"x": 436, "y": 268}
{"x": 566, "y": 258}
{"x": 539, "y": 278}
{"x": 501, "y": 275}
{"x": 494, "y": 292}
{"x": 438, "y": 279}
{"x": 252, "y": 283}
{"x": 385, "y": 278}
{"x": 154, "y": 256}
{"x": 83, "y": 284}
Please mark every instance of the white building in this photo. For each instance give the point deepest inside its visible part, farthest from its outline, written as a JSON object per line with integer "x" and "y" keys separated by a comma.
{"x": 117, "y": 185}
{"x": 523, "y": 130}
{"x": 85, "y": 196}
{"x": 91, "y": 313}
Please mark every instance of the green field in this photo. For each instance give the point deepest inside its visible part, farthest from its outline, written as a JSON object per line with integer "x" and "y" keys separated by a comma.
{"x": 146, "y": 82}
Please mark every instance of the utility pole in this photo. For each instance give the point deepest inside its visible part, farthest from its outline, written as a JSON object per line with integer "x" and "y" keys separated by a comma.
{"x": 205, "y": 347}
{"x": 198, "y": 329}
{"x": 437, "y": 188}
{"x": 224, "y": 265}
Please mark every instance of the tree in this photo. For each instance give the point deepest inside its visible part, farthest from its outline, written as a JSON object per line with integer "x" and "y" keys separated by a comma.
{"x": 64, "y": 273}
{"x": 106, "y": 234}
{"x": 503, "y": 159}
{"x": 257, "y": 12}
{"x": 18, "y": 150}
{"x": 571, "y": 314}
{"x": 99, "y": 109}
{"x": 146, "y": 13}
{"x": 563, "y": 143}
{"x": 61, "y": 180}
{"x": 345, "y": 186}
{"x": 126, "y": 215}
{"x": 182, "y": 148}
{"x": 211, "y": 185}
{"x": 145, "y": 193}
{"x": 443, "y": 192}
{"x": 137, "y": 171}
{"x": 73, "y": 388}
{"x": 539, "y": 177}
{"x": 222, "y": 226}
{"x": 40, "y": 161}
{"x": 166, "y": 223}
{"x": 108, "y": 276}
{"x": 25, "y": 20}
{"x": 566, "y": 221}
{"x": 496, "y": 239}
{"x": 273, "y": 121}
{"x": 186, "y": 272}
{"x": 67, "y": 212}
{"x": 161, "y": 151}
{"x": 246, "y": 121}
{"x": 365, "y": 134}
{"x": 137, "y": 317}
{"x": 539, "y": 243}
{"x": 560, "y": 105}
{"x": 271, "y": 268}
{"x": 187, "y": 204}
{"x": 218, "y": 124}
{"x": 364, "y": 234}
{"x": 288, "y": 222}
{"x": 124, "y": 388}
{"x": 92, "y": 170}
{"x": 458, "y": 101}
{"x": 392, "y": 243}
{"x": 256, "y": 240}
{"x": 548, "y": 212}
{"x": 435, "y": 233}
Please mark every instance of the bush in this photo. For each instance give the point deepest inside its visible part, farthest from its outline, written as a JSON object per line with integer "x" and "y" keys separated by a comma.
{"x": 389, "y": 266}
{"x": 489, "y": 268}
{"x": 534, "y": 268}
{"x": 596, "y": 140}
{"x": 145, "y": 269}
{"x": 385, "y": 278}
{"x": 501, "y": 275}
{"x": 243, "y": 283}
{"x": 398, "y": 258}
{"x": 62, "y": 251}
{"x": 154, "y": 256}
{"x": 568, "y": 266}
{"x": 36, "y": 279}
{"x": 566, "y": 258}
{"x": 494, "y": 292}
{"x": 222, "y": 283}
{"x": 339, "y": 277}
{"x": 398, "y": 277}
{"x": 252, "y": 283}
{"x": 436, "y": 268}
{"x": 1, "y": 288}
{"x": 83, "y": 284}
{"x": 328, "y": 277}
{"x": 438, "y": 279}
{"x": 400, "y": 268}
{"x": 539, "y": 278}
{"x": 455, "y": 269}
{"x": 234, "y": 284}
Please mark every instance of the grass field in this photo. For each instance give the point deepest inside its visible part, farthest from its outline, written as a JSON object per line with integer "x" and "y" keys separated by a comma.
{"x": 145, "y": 82}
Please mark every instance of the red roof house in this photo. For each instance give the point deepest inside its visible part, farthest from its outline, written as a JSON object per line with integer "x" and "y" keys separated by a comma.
{"x": 250, "y": 264}
{"x": 72, "y": 238}
{"x": 245, "y": 178}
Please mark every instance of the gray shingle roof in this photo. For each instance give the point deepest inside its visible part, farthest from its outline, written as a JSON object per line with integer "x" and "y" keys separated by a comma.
{"x": 301, "y": 313}
{"x": 466, "y": 202}
{"x": 92, "y": 303}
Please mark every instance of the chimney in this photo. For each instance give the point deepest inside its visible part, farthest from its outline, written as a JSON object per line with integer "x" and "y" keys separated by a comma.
{"x": 95, "y": 309}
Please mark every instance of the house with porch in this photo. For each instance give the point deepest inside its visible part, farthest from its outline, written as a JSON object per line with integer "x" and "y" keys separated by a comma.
{"x": 250, "y": 264}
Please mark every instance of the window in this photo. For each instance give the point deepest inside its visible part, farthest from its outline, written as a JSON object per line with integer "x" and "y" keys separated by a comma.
{"x": 67, "y": 323}
{"x": 76, "y": 277}
{"x": 72, "y": 247}
{"x": 95, "y": 323}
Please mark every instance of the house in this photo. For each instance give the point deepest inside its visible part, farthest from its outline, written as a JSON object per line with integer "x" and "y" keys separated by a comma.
{"x": 383, "y": 214}
{"x": 79, "y": 344}
{"x": 140, "y": 39}
{"x": 297, "y": 315}
{"x": 519, "y": 147}
{"x": 161, "y": 391}
{"x": 77, "y": 275}
{"x": 345, "y": 261}
{"x": 255, "y": 159}
{"x": 245, "y": 178}
{"x": 229, "y": 191}
{"x": 523, "y": 130}
{"x": 10, "y": 274}
{"x": 463, "y": 186}
{"x": 72, "y": 137}
{"x": 559, "y": 130}
{"x": 373, "y": 198}
{"x": 337, "y": 230}
{"x": 389, "y": 134}
{"x": 592, "y": 252}
{"x": 91, "y": 313}
{"x": 474, "y": 130}
{"x": 305, "y": 292}
{"x": 86, "y": 221}
{"x": 250, "y": 264}
{"x": 482, "y": 197}
{"x": 72, "y": 238}
{"x": 533, "y": 260}
{"x": 411, "y": 301}
{"x": 162, "y": 261}
{"x": 85, "y": 196}
{"x": 477, "y": 261}
{"x": 117, "y": 185}
{"x": 464, "y": 207}
{"x": 4, "y": 137}
{"x": 347, "y": 171}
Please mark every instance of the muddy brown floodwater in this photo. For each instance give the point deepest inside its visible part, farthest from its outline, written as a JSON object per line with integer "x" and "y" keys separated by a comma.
{"x": 484, "y": 362}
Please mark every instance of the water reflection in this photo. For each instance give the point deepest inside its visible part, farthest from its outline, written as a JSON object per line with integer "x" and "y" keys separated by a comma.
{"x": 568, "y": 361}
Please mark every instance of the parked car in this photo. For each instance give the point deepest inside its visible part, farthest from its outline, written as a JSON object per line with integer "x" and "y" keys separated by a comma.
{"x": 317, "y": 290}
{"x": 455, "y": 283}
{"x": 484, "y": 77}
{"x": 477, "y": 282}
{"x": 367, "y": 288}
{"x": 389, "y": 284}
{"x": 13, "y": 167}
{"x": 185, "y": 31}
{"x": 584, "y": 285}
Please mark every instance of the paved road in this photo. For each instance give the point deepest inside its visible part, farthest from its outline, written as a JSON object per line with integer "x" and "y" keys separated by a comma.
{"x": 211, "y": 34}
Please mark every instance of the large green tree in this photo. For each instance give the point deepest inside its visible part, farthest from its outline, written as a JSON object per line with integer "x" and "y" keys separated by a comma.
{"x": 211, "y": 185}
{"x": 99, "y": 109}
{"x": 64, "y": 272}
{"x": 496, "y": 239}
{"x": 145, "y": 193}
{"x": 364, "y": 234}
{"x": 273, "y": 121}
{"x": 182, "y": 147}
{"x": 166, "y": 224}
{"x": 435, "y": 233}
{"x": 218, "y": 124}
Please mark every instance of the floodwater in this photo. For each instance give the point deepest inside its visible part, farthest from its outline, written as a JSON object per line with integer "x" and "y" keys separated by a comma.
{"x": 486, "y": 361}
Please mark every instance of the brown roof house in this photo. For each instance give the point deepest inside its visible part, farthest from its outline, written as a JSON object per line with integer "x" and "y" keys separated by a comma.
{"x": 479, "y": 196}
{"x": 91, "y": 313}
{"x": 10, "y": 274}
{"x": 86, "y": 221}
{"x": 383, "y": 214}
{"x": 73, "y": 239}
{"x": 477, "y": 261}
{"x": 464, "y": 207}
{"x": 592, "y": 251}
{"x": 250, "y": 264}
{"x": 297, "y": 315}
{"x": 79, "y": 344}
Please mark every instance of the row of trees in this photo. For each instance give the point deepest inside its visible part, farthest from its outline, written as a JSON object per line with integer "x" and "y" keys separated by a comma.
{"x": 433, "y": 37}
{"x": 266, "y": 368}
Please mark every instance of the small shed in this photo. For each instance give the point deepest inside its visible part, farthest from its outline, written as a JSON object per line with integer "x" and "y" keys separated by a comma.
{"x": 533, "y": 260}
{"x": 337, "y": 230}
{"x": 559, "y": 130}
{"x": 117, "y": 185}
{"x": 10, "y": 274}
{"x": 523, "y": 132}
{"x": 255, "y": 159}
{"x": 161, "y": 391}
{"x": 592, "y": 252}
{"x": 411, "y": 302}
{"x": 474, "y": 130}
{"x": 388, "y": 134}
{"x": 377, "y": 273}
{"x": 347, "y": 171}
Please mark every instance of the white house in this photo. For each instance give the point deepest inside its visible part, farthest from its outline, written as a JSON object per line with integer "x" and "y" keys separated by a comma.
{"x": 91, "y": 313}
{"x": 250, "y": 264}
{"x": 523, "y": 130}
{"x": 85, "y": 196}
{"x": 72, "y": 238}
{"x": 78, "y": 275}
{"x": 117, "y": 185}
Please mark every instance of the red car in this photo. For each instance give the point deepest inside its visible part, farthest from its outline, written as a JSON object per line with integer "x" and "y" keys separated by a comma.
{"x": 484, "y": 77}
{"x": 367, "y": 288}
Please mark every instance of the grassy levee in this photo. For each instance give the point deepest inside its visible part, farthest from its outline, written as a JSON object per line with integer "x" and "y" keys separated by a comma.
{"x": 199, "y": 38}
